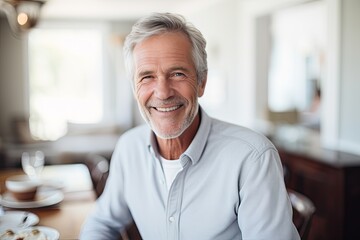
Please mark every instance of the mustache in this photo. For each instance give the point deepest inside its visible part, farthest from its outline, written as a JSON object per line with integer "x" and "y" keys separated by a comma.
{"x": 166, "y": 102}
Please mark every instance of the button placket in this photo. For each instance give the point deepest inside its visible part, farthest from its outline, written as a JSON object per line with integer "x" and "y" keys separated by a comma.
{"x": 172, "y": 210}
{"x": 174, "y": 204}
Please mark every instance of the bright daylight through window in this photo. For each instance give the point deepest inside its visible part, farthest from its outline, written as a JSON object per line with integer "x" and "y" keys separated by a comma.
{"x": 65, "y": 80}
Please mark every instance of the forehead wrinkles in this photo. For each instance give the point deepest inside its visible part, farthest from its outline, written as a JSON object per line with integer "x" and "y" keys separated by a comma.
{"x": 169, "y": 48}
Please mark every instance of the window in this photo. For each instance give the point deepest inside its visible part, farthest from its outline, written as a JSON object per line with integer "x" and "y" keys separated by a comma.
{"x": 65, "y": 80}
{"x": 298, "y": 56}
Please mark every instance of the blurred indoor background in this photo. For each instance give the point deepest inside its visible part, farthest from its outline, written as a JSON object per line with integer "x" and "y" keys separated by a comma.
{"x": 286, "y": 68}
{"x": 270, "y": 62}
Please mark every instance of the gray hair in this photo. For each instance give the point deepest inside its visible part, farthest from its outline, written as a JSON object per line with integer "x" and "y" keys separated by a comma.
{"x": 160, "y": 23}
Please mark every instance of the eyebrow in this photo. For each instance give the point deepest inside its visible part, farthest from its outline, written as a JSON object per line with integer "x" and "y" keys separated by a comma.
{"x": 179, "y": 68}
{"x": 144, "y": 73}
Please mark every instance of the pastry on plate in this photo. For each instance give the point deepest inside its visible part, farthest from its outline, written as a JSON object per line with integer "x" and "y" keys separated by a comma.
{"x": 29, "y": 234}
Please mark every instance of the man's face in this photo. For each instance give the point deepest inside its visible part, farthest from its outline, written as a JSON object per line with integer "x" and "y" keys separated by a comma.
{"x": 165, "y": 86}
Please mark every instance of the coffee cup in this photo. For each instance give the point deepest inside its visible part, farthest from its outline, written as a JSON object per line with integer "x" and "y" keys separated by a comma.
{"x": 22, "y": 187}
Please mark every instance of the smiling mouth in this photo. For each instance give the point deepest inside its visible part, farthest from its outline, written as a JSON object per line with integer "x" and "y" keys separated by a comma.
{"x": 168, "y": 109}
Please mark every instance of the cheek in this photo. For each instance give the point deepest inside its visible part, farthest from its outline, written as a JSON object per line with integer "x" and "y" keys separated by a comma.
{"x": 190, "y": 94}
{"x": 192, "y": 91}
{"x": 142, "y": 94}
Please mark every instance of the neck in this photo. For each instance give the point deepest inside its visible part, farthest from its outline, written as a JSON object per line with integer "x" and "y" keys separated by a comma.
{"x": 173, "y": 148}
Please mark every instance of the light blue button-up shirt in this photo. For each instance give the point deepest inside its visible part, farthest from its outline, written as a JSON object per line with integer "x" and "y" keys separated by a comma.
{"x": 231, "y": 187}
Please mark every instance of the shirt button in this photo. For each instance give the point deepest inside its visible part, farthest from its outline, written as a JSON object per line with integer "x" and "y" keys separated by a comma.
{"x": 171, "y": 219}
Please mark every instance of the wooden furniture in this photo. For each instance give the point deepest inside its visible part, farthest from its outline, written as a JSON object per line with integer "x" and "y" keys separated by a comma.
{"x": 331, "y": 179}
{"x": 98, "y": 166}
{"x": 303, "y": 211}
{"x": 79, "y": 198}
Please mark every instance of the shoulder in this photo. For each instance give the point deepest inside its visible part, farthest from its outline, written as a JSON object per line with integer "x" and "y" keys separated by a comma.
{"x": 135, "y": 138}
{"x": 239, "y": 137}
{"x": 133, "y": 144}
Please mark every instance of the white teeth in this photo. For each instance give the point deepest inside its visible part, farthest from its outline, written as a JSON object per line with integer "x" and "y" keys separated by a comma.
{"x": 167, "y": 109}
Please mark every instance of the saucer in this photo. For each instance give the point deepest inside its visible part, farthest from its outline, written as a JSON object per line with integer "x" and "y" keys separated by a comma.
{"x": 43, "y": 199}
{"x": 14, "y": 219}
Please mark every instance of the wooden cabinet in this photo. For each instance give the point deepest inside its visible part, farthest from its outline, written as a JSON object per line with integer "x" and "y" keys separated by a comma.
{"x": 331, "y": 179}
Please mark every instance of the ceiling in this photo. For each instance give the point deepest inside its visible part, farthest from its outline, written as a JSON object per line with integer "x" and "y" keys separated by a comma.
{"x": 117, "y": 9}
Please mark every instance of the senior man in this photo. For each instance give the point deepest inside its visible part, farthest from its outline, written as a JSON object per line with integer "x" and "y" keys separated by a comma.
{"x": 185, "y": 175}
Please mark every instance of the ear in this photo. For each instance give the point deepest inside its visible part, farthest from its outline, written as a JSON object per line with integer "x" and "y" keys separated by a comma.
{"x": 201, "y": 87}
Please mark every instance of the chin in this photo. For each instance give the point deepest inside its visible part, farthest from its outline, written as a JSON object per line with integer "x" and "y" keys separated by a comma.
{"x": 167, "y": 134}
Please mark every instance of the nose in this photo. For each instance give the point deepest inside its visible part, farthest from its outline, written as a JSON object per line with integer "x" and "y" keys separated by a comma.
{"x": 163, "y": 88}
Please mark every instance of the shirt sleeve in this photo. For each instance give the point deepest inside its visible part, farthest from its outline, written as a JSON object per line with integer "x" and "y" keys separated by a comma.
{"x": 111, "y": 214}
{"x": 265, "y": 210}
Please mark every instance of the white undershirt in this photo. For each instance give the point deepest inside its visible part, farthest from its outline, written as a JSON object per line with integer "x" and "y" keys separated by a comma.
{"x": 171, "y": 169}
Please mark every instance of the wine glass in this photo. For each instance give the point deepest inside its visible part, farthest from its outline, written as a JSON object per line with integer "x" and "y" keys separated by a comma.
{"x": 33, "y": 163}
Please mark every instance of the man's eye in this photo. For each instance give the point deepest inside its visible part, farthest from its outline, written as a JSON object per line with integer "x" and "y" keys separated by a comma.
{"x": 146, "y": 78}
{"x": 178, "y": 74}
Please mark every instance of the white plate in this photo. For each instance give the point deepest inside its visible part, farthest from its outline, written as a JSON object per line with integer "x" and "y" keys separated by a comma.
{"x": 14, "y": 219}
{"x": 43, "y": 199}
{"x": 50, "y": 233}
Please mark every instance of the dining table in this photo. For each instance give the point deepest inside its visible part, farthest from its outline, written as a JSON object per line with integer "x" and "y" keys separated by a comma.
{"x": 77, "y": 201}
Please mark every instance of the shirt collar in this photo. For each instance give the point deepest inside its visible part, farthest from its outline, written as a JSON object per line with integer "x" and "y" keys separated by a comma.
{"x": 194, "y": 151}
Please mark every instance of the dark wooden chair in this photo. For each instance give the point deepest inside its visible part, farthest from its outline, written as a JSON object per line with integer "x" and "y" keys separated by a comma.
{"x": 303, "y": 211}
{"x": 98, "y": 166}
{"x": 99, "y": 170}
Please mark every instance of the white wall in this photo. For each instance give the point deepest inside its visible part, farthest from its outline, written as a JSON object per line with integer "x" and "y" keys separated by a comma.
{"x": 349, "y": 117}
{"x": 217, "y": 22}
